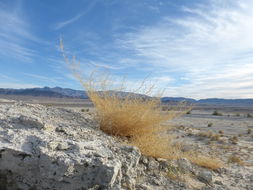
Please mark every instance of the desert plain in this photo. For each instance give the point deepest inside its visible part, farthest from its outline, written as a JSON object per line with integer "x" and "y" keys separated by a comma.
{"x": 219, "y": 131}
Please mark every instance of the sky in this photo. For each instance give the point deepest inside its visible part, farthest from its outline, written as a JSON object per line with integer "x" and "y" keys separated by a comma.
{"x": 190, "y": 48}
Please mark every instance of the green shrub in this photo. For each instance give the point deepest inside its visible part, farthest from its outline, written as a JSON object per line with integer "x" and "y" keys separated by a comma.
{"x": 249, "y": 115}
{"x": 217, "y": 113}
{"x": 189, "y": 112}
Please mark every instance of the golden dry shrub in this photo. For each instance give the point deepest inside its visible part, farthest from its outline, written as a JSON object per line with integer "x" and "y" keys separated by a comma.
{"x": 128, "y": 114}
{"x": 209, "y": 162}
{"x": 158, "y": 145}
{"x": 235, "y": 159}
{"x": 139, "y": 119}
{"x": 135, "y": 116}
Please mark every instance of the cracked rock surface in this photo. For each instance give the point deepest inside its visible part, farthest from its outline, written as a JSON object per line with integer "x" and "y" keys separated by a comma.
{"x": 46, "y": 148}
{"x": 49, "y": 148}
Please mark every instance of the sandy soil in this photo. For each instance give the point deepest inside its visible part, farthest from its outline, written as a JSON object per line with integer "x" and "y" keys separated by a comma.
{"x": 228, "y": 136}
{"x": 224, "y": 136}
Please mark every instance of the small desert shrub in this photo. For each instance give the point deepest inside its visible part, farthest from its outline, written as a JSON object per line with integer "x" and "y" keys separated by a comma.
{"x": 182, "y": 127}
{"x": 207, "y": 134}
{"x": 217, "y": 113}
{"x": 234, "y": 140}
{"x": 235, "y": 159}
{"x": 222, "y": 141}
{"x": 215, "y": 137}
{"x": 189, "y": 112}
{"x": 157, "y": 145}
{"x": 237, "y": 115}
{"x": 175, "y": 173}
{"x": 129, "y": 117}
{"x": 249, "y": 115}
{"x": 209, "y": 162}
{"x": 221, "y": 132}
{"x": 226, "y": 147}
{"x": 134, "y": 116}
{"x": 137, "y": 118}
{"x": 249, "y": 131}
{"x": 209, "y": 124}
{"x": 85, "y": 110}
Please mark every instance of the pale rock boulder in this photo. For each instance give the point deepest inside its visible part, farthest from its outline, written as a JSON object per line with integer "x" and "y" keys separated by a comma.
{"x": 46, "y": 148}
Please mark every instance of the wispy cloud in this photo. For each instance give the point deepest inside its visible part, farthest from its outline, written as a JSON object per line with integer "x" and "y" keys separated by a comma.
{"x": 6, "y": 77}
{"x": 68, "y": 22}
{"x": 210, "y": 46}
{"x": 52, "y": 80}
{"x": 75, "y": 18}
{"x": 15, "y": 50}
{"x": 15, "y": 35}
{"x": 17, "y": 85}
{"x": 104, "y": 65}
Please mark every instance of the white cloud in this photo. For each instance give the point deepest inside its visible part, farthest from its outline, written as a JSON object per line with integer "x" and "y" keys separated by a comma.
{"x": 75, "y": 18}
{"x": 165, "y": 80}
{"x": 7, "y": 81}
{"x": 14, "y": 36}
{"x": 68, "y": 22}
{"x": 5, "y": 77}
{"x": 104, "y": 65}
{"x": 51, "y": 80}
{"x": 211, "y": 46}
{"x": 18, "y": 85}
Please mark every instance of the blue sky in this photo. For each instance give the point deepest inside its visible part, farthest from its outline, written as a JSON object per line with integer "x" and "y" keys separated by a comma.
{"x": 191, "y": 48}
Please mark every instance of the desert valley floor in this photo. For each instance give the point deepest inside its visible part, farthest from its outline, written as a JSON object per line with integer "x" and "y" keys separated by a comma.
{"x": 226, "y": 134}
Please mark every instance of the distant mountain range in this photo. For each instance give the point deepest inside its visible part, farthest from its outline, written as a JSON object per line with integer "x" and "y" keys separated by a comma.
{"x": 59, "y": 92}
{"x": 220, "y": 101}
{"x": 55, "y": 92}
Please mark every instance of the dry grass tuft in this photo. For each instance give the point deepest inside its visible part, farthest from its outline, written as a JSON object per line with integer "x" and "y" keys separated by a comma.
{"x": 235, "y": 159}
{"x": 139, "y": 118}
{"x": 207, "y": 134}
{"x": 212, "y": 136}
{"x": 215, "y": 137}
{"x": 249, "y": 115}
{"x": 158, "y": 146}
{"x": 175, "y": 173}
{"x": 217, "y": 113}
{"x": 212, "y": 163}
{"x": 234, "y": 140}
{"x": 129, "y": 115}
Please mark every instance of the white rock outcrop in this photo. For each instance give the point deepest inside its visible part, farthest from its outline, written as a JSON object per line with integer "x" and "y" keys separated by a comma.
{"x": 48, "y": 148}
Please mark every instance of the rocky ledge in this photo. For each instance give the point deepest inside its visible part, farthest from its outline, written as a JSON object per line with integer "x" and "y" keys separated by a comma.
{"x": 45, "y": 148}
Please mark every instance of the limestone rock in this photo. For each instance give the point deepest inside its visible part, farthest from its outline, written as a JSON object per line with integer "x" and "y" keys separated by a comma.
{"x": 185, "y": 165}
{"x": 59, "y": 149}
{"x": 205, "y": 176}
{"x": 42, "y": 148}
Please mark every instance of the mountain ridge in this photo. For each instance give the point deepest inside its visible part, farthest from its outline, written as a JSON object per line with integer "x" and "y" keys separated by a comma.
{"x": 59, "y": 92}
